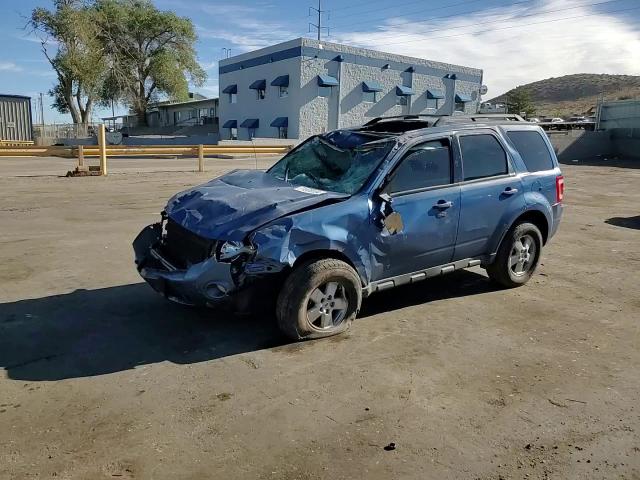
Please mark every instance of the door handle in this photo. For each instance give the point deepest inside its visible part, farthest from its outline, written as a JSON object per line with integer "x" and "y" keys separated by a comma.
{"x": 442, "y": 204}
{"x": 509, "y": 191}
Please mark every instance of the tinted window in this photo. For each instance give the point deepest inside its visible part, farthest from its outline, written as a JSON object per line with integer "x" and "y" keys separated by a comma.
{"x": 426, "y": 165}
{"x": 482, "y": 156}
{"x": 533, "y": 150}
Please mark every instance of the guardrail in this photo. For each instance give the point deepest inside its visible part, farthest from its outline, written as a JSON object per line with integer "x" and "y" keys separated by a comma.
{"x": 104, "y": 151}
{"x": 15, "y": 143}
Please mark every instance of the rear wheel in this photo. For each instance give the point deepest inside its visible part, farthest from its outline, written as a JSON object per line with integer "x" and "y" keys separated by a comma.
{"x": 517, "y": 256}
{"x": 319, "y": 299}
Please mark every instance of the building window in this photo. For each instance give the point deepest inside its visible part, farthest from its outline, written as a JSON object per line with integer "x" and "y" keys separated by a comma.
{"x": 324, "y": 91}
{"x": 433, "y": 103}
{"x": 460, "y": 101}
{"x": 233, "y": 134}
{"x": 283, "y": 132}
{"x": 402, "y": 100}
{"x": 233, "y": 98}
{"x": 261, "y": 93}
{"x": 283, "y": 91}
{"x": 370, "y": 97}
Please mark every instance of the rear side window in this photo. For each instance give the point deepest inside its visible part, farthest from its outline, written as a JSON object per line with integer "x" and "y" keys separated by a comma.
{"x": 482, "y": 156}
{"x": 425, "y": 165}
{"x": 533, "y": 150}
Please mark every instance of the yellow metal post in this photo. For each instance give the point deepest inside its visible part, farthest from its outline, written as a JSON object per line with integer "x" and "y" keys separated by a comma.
{"x": 80, "y": 156}
{"x": 201, "y": 158}
{"x": 102, "y": 146}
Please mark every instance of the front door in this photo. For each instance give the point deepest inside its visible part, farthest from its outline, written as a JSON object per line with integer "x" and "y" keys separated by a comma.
{"x": 423, "y": 195}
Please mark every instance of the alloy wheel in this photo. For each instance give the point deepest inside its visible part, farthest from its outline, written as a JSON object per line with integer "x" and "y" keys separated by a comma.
{"x": 327, "y": 306}
{"x": 523, "y": 255}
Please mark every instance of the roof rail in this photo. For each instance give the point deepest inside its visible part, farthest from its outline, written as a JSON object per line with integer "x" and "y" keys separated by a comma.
{"x": 373, "y": 121}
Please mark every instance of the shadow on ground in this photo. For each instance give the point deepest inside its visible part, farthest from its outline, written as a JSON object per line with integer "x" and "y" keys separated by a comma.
{"x": 626, "y": 222}
{"x": 94, "y": 332}
{"x": 601, "y": 161}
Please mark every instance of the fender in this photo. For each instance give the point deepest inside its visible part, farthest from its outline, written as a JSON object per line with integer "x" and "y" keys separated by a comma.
{"x": 280, "y": 243}
{"x": 539, "y": 206}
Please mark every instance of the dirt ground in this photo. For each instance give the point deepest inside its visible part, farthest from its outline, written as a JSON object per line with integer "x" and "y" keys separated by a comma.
{"x": 102, "y": 378}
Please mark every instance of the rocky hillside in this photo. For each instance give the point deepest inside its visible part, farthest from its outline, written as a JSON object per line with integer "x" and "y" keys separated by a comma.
{"x": 576, "y": 94}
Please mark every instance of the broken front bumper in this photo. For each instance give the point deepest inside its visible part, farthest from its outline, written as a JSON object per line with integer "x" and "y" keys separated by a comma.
{"x": 207, "y": 283}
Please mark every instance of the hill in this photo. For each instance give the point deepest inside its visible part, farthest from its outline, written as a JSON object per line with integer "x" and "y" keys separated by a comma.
{"x": 576, "y": 94}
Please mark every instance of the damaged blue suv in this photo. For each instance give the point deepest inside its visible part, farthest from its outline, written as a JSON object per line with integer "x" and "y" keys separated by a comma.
{"x": 354, "y": 211}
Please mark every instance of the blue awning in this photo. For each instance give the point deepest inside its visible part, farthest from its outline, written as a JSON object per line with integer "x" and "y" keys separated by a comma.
{"x": 462, "y": 98}
{"x": 327, "y": 81}
{"x": 403, "y": 91}
{"x": 280, "y": 122}
{"x": 230, "y": 124}
{"x": 231, "y": 89}
{"x": 258, "y": 85}
{"x": 371, "y": 86}
{"x": 435, "y": 94}
{"x": 281, "y": 81}
{"x": 250, "y": 123}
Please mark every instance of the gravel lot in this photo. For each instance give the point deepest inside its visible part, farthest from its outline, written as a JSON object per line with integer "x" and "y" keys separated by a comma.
{"x": 102, "y": 378}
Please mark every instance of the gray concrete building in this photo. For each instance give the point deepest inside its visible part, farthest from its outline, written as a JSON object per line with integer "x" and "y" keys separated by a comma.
{"x": 303, "y": 87}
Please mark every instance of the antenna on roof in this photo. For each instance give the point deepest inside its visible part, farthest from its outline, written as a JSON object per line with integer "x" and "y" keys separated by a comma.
{"x": 318, "y": 26}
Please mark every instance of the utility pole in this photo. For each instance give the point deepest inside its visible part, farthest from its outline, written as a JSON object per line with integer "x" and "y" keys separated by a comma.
{"x": 318, "y": 26}
{"x": 41, "y": 110}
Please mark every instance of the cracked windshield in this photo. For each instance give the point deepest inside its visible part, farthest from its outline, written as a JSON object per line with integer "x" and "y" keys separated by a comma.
{"x": 338, "y": 162}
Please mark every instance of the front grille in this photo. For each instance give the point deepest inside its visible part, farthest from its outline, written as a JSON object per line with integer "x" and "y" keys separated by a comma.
{"x": 183, "y": 248}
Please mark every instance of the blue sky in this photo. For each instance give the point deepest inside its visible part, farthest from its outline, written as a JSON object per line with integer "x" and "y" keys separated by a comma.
{"x": 513, "y": 41}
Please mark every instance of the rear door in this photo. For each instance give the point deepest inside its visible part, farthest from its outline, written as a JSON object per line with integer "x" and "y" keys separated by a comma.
{"x": 490, "y": 193}
{"x": 428, "y": 202}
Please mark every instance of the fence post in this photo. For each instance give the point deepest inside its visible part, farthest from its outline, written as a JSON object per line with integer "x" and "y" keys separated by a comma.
{"x": 102, "y": 144}
{"x": 201, "y": 158}
{"x": 80, "y": 156}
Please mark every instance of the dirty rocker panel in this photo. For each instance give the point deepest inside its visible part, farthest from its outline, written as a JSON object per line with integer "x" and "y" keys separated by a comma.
{"x": 419, "y": 275}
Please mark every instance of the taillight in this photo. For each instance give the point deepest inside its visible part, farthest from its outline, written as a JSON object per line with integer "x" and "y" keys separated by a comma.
{"x": 559, "y": 189}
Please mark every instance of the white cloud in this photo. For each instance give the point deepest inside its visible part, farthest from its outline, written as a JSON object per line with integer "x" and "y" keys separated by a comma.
{"x": 209, "y": 65}
{"x": 210, "y": 90}
{"x": 510, "y": 51}
{"x": 247, "y": 34}
{"x": 9, "y": 67}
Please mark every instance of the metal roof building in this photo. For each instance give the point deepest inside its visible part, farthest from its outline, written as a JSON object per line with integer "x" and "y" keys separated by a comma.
{"x": 303, "y": 87}
{"x": 15, "y": 118}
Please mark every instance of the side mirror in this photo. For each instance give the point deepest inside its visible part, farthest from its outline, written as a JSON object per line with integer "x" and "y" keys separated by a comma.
{"x": 387, "y": 218}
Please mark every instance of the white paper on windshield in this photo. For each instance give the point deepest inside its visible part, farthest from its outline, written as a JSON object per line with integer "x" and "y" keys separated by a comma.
{"x": 312, "y": 191}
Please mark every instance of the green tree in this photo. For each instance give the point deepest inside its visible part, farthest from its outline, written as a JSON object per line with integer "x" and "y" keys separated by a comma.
{"x": 69, "y": 40}
{"x": 519, "y": 100}
{"x": 150, "y": 53}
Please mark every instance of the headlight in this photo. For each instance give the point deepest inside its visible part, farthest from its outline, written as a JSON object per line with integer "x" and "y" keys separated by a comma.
{"x": 231, "y": 250}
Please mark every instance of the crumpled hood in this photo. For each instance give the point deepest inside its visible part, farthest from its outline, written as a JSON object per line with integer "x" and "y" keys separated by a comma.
{"x": 233, "y": 205}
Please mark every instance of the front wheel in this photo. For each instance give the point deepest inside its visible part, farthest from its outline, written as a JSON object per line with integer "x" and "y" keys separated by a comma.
{"x": 319, "y": 299}
{"x": 517, "y": 256}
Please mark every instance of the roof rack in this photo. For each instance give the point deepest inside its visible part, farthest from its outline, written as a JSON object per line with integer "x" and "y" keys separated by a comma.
{"x": 373, "y": 121}
{"x": 479, "y": 118}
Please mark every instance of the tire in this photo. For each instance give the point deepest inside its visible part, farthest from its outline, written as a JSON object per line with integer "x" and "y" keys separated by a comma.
{"x": 503, "y": 271}
{"x": 319, "y": 299}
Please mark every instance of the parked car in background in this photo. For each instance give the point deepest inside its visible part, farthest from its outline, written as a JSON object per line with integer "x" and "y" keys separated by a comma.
{"x": 533, "y": 120}
{"x": 356, "y": 211}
